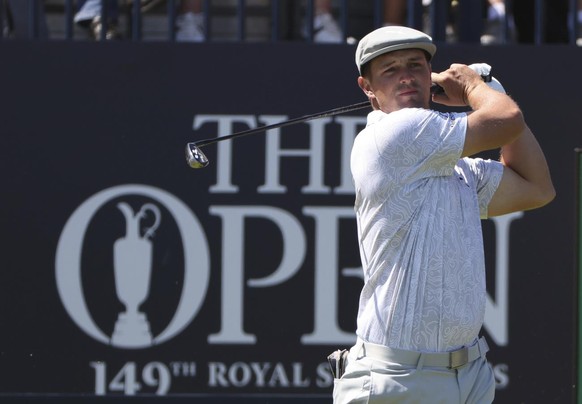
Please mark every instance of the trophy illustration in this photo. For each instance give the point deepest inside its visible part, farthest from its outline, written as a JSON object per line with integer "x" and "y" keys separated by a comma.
{"x": 132, "y": 265}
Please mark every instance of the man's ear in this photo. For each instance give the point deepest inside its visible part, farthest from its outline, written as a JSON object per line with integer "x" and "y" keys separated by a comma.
{"x": 367, "y": 89}
{"x": 365, "y": 86}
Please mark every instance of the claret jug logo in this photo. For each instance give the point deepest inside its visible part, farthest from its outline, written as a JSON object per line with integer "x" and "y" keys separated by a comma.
{"x": 110, "y": 250}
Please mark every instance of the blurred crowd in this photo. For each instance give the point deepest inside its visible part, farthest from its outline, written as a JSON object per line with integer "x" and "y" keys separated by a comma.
{"x": 499, "y": 25}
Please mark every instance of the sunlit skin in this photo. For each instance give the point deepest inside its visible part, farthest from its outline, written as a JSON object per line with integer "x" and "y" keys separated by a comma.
{"x": 399, "y": 79}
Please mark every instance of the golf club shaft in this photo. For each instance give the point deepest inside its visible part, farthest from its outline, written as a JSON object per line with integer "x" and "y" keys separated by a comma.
{"x": 196, "y": 158}
{"x": 336, "y": 111}
{"x": 305, "y": 118}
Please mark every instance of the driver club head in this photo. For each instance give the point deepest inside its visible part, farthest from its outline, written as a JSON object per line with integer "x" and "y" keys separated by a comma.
{"x": 195, "y": 157}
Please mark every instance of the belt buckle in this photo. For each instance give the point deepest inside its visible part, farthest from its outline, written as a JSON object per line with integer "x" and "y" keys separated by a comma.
{"x": 458, "y": 358}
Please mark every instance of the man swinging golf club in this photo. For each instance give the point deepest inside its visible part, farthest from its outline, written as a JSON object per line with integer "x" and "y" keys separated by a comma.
{"x": 419, "y": 200}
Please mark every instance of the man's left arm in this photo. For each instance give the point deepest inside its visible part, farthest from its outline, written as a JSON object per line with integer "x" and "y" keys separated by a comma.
{"x": 526, "y": 182}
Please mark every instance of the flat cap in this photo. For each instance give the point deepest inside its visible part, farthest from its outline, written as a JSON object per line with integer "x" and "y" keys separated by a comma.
{"x": 391, "y": 38}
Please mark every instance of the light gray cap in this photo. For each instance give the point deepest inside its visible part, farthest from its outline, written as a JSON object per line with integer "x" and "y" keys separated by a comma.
{"x": 389, "y": 39}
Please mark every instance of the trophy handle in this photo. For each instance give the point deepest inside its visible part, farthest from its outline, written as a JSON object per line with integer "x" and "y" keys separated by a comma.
{"x": 149, "y": 231}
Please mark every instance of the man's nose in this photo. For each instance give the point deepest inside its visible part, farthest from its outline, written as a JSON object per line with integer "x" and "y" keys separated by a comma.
{"x": 406, "y": 77}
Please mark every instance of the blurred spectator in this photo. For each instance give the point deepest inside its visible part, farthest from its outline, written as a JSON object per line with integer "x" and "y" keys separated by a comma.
{"x": 555, "y": 21}
{"x": 190, "y": 21}
{"x": 522, "y": 23}
{"x": 496, "y": 10}
{"x": 394, "y": 12}
{"x": 495, "y": 23}
{"x": 325, "y": 27}
{"x": 88, "y": 16}
{"x": 579, "y": 21}
{"x": 327, "y": 30}
{"x": 19, "y": 24}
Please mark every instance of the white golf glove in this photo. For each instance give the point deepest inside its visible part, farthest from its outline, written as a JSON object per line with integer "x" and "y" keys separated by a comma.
{"x": 485, "y": 70}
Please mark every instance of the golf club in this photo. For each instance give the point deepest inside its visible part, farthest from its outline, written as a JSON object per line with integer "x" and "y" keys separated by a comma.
{"x": 196, "y": 158}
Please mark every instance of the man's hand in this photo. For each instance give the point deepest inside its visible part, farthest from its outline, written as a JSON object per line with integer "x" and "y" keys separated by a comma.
{"x": 457, "y": 82}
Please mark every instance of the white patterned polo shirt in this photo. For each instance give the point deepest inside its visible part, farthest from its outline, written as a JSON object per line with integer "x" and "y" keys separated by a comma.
{"x": 418, "y": 208}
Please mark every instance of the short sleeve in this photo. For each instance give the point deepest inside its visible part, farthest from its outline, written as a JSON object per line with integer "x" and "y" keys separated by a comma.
{"x": 420, "y": 143}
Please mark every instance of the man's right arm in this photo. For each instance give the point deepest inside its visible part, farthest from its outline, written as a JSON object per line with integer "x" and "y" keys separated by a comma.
{"x": 496, "y": 120}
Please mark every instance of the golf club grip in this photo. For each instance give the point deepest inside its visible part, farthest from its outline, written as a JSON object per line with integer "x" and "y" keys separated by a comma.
{"x": 304, "y": 118}
{"x": 436, "y": 89}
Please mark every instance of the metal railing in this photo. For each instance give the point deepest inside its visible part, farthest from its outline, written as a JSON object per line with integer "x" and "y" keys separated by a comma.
{"x": 445, "y": 20}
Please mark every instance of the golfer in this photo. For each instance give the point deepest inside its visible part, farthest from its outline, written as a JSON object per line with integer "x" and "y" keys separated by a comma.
{"x": 419, "y": 201}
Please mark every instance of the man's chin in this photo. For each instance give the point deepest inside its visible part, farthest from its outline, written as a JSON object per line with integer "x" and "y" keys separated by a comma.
{"x": 413, "y": 103}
